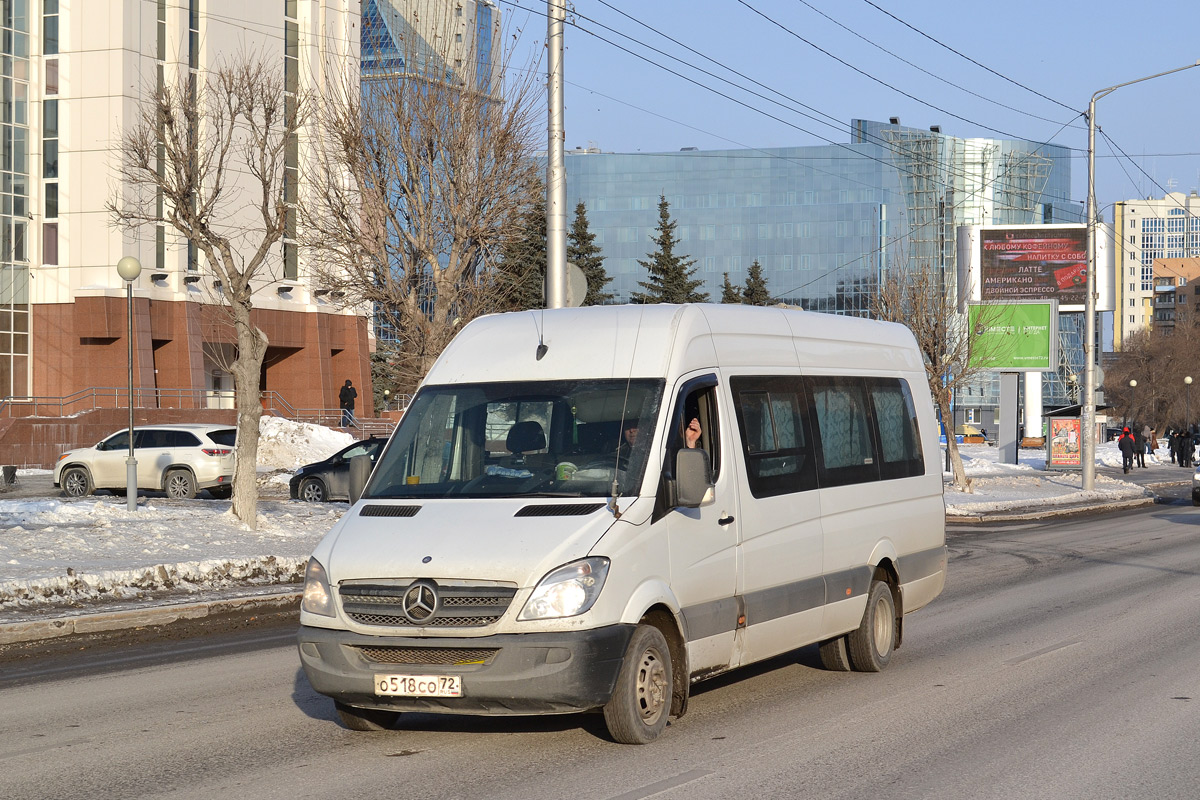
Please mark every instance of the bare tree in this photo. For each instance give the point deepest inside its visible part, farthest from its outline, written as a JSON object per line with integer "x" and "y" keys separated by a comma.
{"x": 215, "y": 152}
{"x": 426, "y": 169}
{"x": 919, "y": 299}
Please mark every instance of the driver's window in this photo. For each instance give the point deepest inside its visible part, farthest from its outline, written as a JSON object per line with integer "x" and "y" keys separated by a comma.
{"x": 118, "y": 441}
{"x": 699, "y": 425}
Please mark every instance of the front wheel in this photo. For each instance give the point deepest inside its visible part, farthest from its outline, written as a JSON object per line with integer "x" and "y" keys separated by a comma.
{"x": 641, "y": 701}
{"x": 311, "y": 491}
{"x": 365, "y": 719}
{"x": 180, "y": 485}
{"x": 76, "y": 482}
{"x": 871, "y": 645}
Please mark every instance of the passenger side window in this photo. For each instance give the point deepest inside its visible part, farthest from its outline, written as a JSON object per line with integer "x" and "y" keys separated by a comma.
{"x": 700, "y": 405}
{"x": 900, "y": 453}
{"x": 773, "y": 422}
{"x": 844, "y": 429}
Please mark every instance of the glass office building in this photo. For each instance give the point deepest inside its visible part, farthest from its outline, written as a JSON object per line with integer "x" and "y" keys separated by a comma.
{"x": 824, "y": 222}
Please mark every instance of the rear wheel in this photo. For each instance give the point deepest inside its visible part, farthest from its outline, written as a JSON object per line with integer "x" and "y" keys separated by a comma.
{"x": 641, "y": 701}
{"x": 834, "y": 655}
{"x": 871, "y": 646}
{"x": 312, "y": 491}
{"x": 365, "y": 719}
{"x": 180, "y": 485}
{"x": 76, "y": 482}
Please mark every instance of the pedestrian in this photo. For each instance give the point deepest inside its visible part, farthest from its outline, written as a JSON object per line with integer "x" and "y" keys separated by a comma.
{"x": 1139, "y": 448}
{"x": 1170, "y": 437}
{"x": 1126, "y": 445}
{"x": 346, "y": 401}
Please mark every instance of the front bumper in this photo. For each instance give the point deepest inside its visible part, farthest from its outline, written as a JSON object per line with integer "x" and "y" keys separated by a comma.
{"x": 528, "y": 673}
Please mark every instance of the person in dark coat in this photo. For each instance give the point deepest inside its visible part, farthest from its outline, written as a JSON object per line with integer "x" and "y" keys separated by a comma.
{"x": 1169, "y": 436}
{"x": 1139, "y": 448}
{"x": 346, "y": 400}
{"x": 1127, "y": 447}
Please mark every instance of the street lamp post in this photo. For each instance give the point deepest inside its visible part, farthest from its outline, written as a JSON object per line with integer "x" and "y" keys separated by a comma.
{"x": 1132, "y": 395}
{"x": 1187, "y": 422}
{"x": 129, "y": 268}
{"x": 1088, "y": 455}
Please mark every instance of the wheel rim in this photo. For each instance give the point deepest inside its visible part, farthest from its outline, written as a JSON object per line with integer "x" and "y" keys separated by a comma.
{"x": 651, "y": 686}
{"x": 178, "y": 486}
{"x": 74, "y": 484}
{"x": 311, "y": 492}
{"x": 883, "y": 627}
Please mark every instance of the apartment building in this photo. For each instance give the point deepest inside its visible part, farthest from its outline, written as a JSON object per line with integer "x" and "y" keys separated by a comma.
{"x": 74, "y": 76}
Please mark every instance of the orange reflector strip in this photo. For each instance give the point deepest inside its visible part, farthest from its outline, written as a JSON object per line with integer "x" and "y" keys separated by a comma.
{"x": 849, "y": 591}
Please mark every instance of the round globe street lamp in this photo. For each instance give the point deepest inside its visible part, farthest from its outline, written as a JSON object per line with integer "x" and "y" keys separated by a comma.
{"x": 387, "y": 397}
{"x": 1187, "y": 423}
{"x": 129, "y": 268}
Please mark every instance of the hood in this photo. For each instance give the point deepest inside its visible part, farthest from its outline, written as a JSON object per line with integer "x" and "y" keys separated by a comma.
{"x": 473, "y": 539}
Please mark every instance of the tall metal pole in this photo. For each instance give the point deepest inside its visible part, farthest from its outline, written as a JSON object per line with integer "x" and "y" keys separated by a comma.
{"x": 129, "y": 268}
{"x": 1088, "y": 454}
{"x": 556, "y": 172}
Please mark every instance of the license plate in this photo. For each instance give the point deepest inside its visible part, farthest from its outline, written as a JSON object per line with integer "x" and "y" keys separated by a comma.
{"x": 418, "y": 685}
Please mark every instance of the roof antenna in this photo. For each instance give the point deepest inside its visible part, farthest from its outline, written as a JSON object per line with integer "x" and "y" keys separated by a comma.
{"x": 542, "y": 349}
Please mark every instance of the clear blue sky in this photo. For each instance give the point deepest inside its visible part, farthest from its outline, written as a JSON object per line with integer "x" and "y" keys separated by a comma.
{"x": 1062, "y": 49}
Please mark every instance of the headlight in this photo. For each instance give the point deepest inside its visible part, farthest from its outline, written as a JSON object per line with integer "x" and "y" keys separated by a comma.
{"x": 567, "y": 591}
{"x": 317, "y": 597}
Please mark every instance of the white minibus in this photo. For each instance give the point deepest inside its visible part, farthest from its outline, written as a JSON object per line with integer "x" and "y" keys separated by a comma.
{"x": 594, "y": 508}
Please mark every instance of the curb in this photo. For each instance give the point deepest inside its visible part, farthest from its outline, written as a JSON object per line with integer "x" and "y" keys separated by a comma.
{"x": 1063, "y": 511}
{"x": 38, "y": 630}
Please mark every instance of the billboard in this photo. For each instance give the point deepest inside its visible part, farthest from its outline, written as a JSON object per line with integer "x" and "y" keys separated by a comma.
{"x": 1014, "y": 337}
{"x": 1033, "y": 263}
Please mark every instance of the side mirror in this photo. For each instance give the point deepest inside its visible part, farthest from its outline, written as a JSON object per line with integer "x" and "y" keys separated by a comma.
{"x": 360, "y": 471}
{"x": 693, "y": 481}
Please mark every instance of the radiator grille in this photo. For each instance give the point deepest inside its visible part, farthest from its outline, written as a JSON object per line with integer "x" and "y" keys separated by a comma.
{"x": 458, "y": 606}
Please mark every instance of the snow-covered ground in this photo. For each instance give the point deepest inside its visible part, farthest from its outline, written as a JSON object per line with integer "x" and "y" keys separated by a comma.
{"x": 60, "y": 553}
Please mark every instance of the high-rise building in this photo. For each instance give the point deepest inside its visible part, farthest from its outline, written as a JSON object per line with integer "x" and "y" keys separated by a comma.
{"x": 437, "y": 39}
{"x": 1150, "y": 229}
{"x": 74, "y": 77}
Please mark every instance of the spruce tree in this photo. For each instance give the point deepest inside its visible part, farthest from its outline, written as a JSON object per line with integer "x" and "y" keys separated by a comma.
{"x": 583, "y": 252}
{"x": 756, "y": 293}
{"x": 521, "y": 273}
{"x": 731, "y": 293}
{"x": 670, "y": 276}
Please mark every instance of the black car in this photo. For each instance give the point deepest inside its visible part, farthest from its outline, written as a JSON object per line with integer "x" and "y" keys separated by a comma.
{"x": 329, "y": 479}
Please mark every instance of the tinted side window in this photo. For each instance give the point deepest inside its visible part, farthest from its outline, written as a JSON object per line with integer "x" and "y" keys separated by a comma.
{"x": 776, "y": 445}
{"x": 225, "y": 436}
{"x": 150, "y": 438}
{"x": 844, "y": 430}
{"x": 181, "y": 439}
{"x": 896, "y": 417}
{"x": 118, "y": 441}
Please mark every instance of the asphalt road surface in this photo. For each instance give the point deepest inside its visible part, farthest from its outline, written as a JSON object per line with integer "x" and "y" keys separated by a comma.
{"x": 1059, "y": 663}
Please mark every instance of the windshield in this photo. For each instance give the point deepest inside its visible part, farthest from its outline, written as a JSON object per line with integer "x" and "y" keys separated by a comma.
{"x": 534, "y": 439}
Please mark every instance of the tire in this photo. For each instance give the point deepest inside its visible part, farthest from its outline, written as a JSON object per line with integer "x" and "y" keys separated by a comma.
{"x": 221, "y": 492}
{"x": 835, "y": 656}
{"x": 870, "y": 647}
{"x": 76, "y": 482}
{"x": 312, "y": 490}
{"x": 180, "y": 485}
{"x": 638, "y": 710}
{"x": 365, "y": 719}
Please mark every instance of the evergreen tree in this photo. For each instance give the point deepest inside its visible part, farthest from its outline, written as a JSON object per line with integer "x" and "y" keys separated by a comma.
{"x": 521, "y": 274}
{"x": 756, "y": 293}
{"x": 670, "y": 276}
{"x": 731, "y": 293}
{"x": 583, "y": 252}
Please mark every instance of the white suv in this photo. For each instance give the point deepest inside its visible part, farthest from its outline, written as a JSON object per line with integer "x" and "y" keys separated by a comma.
{"x": 176, "y": 459}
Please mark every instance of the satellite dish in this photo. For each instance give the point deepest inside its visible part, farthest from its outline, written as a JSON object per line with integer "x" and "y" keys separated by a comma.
{"x": 576, "y": 286}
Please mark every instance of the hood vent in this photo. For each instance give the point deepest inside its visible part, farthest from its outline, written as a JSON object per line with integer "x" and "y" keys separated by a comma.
{"x": 389, "y": 511}
{"x": 560, "y": 510}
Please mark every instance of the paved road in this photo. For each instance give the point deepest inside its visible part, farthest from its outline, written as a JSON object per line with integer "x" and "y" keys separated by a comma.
{"x": 1059, "y": 663}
